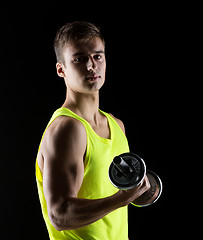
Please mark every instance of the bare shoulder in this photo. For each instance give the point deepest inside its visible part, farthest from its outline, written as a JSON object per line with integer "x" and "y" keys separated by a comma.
{"x": 63, "y": 136}
{"x": 120, "y": 123}
{"x": 64, "y": 130}
{"x": 65, "y": 126}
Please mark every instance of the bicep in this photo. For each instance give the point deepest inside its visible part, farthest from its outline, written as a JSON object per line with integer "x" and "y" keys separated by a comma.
{"x": 63, "y": 163}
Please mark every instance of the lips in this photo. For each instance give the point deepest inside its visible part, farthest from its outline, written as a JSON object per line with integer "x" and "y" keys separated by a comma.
{"x": 93, "y": 77}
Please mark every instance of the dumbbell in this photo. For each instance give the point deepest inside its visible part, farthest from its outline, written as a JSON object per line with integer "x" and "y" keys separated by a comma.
{"x": 127, "y": 171}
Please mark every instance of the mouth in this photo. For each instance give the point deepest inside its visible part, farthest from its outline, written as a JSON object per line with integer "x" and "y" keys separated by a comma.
{"x": 93, "y": 77}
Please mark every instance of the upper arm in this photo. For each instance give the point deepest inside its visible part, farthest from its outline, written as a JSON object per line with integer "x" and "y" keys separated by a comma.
{"x": 63, "y": 151}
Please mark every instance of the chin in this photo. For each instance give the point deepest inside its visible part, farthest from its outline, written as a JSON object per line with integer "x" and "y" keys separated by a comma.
{"x": 95, "y": 86}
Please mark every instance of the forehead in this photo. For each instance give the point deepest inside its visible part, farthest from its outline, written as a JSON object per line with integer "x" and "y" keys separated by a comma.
{"x": 90, "y": 47}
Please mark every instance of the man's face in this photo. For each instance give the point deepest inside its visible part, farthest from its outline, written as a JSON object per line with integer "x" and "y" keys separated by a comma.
{"x": 85, "y": 66}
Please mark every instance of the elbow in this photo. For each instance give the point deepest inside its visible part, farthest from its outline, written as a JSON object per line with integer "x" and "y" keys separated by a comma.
{"x": 55, "y": 221}
{"x": 59, "y": 219}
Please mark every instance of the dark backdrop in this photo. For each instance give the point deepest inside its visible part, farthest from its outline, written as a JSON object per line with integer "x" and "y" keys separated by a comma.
{"x": 140, "y": 89}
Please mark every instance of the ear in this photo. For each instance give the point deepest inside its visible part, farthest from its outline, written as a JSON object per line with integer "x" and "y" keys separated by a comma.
{"x": 60, "y": 69}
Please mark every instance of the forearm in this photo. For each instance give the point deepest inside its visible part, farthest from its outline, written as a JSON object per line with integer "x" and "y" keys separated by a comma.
{"x": 76, "y": 212}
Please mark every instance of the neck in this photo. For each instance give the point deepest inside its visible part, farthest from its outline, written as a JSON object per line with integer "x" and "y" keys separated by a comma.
{"x": 84, "y": 105}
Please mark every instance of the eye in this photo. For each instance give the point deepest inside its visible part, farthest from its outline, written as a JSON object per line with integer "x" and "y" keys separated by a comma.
{"x": 80, "y": 59}
{"x": 97, "y": 57}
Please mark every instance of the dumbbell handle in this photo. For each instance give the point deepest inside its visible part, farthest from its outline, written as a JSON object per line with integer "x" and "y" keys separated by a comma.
{"x": 122, "y": 166}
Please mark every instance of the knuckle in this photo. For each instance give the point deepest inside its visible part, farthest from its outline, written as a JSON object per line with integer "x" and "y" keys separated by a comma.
{"x": 148, "y": 185}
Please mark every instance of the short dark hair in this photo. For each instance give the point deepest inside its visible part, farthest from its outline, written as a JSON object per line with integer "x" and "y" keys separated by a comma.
{"x": 73, "y": 33}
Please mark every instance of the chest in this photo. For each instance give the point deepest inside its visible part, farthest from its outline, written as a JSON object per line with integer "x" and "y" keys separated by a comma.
{"x": 102, "y": 129}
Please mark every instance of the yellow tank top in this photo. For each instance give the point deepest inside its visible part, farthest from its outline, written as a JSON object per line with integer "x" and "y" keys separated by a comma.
{"x": 96, "y": 184}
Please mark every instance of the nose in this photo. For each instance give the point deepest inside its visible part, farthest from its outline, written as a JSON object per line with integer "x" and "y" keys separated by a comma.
{"x": 91, "y": 65}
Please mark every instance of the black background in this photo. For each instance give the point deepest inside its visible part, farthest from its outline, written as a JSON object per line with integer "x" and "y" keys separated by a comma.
{"x": 144, "y": 47}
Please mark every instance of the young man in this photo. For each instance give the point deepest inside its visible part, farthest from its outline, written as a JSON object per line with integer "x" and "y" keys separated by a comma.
{"x": 80, "y": 141}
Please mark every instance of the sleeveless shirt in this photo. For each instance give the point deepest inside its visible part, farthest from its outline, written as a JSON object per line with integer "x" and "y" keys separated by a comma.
{"x": 96, "y": 184}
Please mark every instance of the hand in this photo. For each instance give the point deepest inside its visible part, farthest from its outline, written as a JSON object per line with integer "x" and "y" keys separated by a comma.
{"x": 129, "y": 196}
{"x": 151, "y": 195}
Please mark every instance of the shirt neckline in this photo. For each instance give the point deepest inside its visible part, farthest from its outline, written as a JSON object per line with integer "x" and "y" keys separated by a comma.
{"x": 105, "y": 140}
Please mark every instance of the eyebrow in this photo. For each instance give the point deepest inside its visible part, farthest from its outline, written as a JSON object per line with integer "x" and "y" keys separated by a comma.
{"x": 83, "y": 53}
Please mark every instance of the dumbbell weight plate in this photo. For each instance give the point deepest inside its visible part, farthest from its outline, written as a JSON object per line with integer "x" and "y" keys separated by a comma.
{"x": 132, "y": 180}
{"x": 151, "y": 196}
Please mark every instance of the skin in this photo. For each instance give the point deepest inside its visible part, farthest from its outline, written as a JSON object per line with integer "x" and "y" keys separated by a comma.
{"x": 64, "y": 144}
